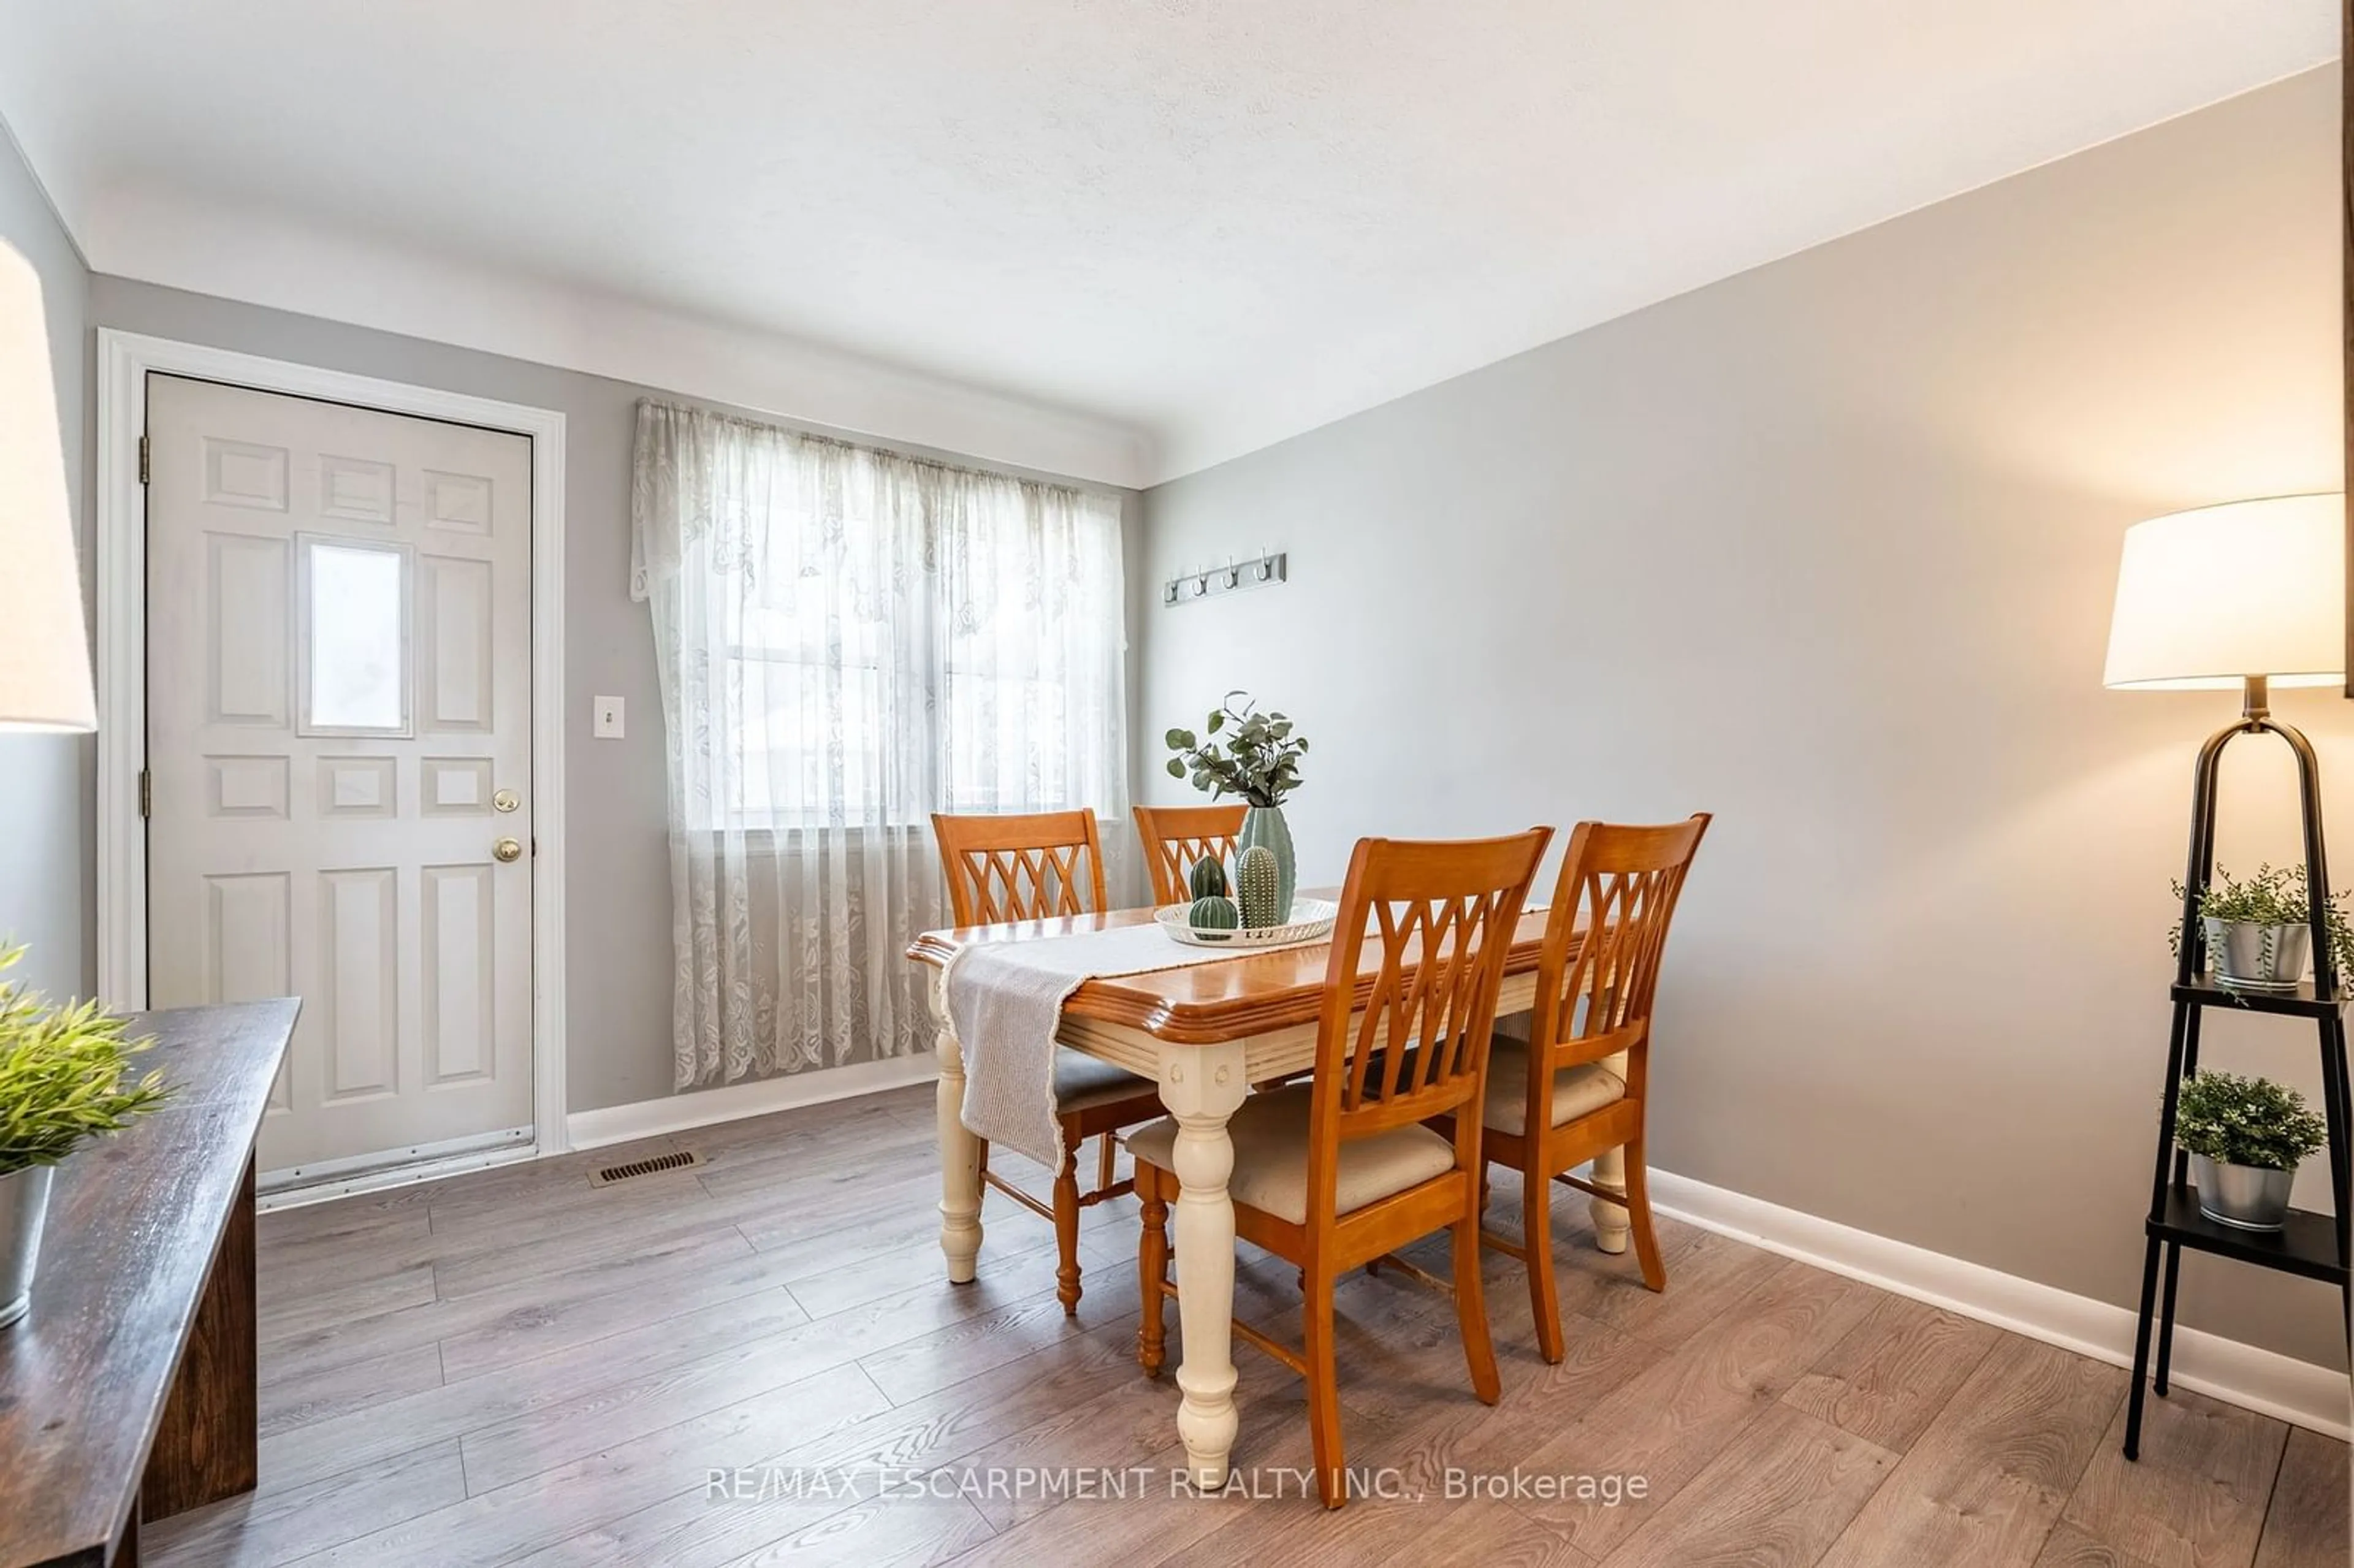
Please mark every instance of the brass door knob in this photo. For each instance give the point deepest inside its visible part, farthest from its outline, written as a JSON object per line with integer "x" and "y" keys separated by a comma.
{"x": 507, "y": 851}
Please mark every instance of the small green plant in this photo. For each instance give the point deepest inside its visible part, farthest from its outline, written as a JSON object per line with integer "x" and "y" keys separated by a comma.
{"x": 1258, "y": 759}
{"x": 2246, "y": 1121}
{"x": 2275, "y": 895}
{"x": 64, "y": 1076}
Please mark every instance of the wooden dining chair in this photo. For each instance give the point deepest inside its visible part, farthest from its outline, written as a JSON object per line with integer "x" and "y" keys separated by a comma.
{"x": 1341, "y": 1170}
{"x": 1037, "y": 867}
{"x": 1577, "y": 1087}
{"x": 1177, "y": 837}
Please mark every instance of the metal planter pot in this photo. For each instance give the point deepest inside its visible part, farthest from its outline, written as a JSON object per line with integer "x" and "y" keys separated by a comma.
{"x": 23, "y": 1202}
{"x": 2258, "y": 958}
{"x": 2248, "y": 1197}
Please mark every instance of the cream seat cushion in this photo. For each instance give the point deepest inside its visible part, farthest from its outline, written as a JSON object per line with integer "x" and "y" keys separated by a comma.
{"x": 1270, "y": 1137}
{"x": 1081, "y": 1082}
{"x": 1576, "y": 1091}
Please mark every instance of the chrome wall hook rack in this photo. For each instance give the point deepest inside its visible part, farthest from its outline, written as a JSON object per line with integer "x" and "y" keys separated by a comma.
{"x": 1234, "y": 576}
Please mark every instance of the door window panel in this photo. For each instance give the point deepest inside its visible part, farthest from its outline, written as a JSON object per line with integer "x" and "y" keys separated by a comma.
{"x": 354, "y": 599}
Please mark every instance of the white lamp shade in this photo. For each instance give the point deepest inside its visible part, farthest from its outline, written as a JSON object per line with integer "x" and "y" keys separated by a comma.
{"x": 2206, "y": 598}
{"x": 44, "y": 654}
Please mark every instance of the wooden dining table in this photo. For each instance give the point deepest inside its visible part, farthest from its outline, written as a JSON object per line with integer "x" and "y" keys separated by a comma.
{"x": 1205, "y": 1033}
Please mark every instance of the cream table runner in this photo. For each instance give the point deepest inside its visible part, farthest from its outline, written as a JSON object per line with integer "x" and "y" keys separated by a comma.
{"x": 1005, "y": 1003}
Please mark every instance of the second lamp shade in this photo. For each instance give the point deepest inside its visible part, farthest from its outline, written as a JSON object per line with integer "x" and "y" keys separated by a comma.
{"x": 44, "y": 658}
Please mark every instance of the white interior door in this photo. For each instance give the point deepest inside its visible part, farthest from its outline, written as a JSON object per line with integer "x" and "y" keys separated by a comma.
{"x": 339, "y": 745}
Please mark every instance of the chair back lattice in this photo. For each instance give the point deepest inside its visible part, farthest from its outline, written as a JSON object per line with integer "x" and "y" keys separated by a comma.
{"x": 1030, "y": 867}
{"x": 1616, "y": 895}
{"x": 1433, "y": 923}
{"x": 1176, "y": 837}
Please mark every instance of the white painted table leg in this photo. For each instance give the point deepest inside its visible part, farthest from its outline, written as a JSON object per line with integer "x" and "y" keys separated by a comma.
{"x": 959, "y": 1152}
{"x": 1202, "y": 1086}
{"x": 1610, "y": 1223}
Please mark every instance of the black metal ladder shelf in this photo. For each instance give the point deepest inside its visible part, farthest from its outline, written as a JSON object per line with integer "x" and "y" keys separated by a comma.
{"x": 2314, "y": 1245}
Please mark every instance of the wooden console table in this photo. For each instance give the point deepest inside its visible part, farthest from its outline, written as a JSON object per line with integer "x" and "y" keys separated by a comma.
{"x": 129, "y": 1387}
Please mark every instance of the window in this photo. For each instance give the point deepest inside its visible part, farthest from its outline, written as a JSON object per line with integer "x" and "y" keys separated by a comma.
{"x": 814, "y": 720}
{"x": 885, "y": 638}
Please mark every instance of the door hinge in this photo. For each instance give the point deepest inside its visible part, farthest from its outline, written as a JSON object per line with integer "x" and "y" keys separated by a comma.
{"x": 143, "y": 455}
{"x": 147, "y": 794}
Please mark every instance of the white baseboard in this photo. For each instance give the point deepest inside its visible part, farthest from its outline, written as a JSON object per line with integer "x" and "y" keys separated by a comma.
{"x": 2273, "y": 1384}
{"x": 702, "y": 1107}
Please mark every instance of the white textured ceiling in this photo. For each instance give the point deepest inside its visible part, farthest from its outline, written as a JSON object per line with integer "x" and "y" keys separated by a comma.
{"x": 1213, "y": 224}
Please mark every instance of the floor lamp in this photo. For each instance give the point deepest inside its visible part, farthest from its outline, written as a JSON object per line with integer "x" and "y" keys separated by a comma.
{"x": 2241, "y": 597}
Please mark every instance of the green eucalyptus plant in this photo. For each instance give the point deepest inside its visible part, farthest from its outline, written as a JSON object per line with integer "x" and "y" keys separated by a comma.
{"x": 1258, "y": 759}
{"x": 2246, "y": 1121}
{"x": 65, "y": 1075}
{"x": 2275, "y": 895}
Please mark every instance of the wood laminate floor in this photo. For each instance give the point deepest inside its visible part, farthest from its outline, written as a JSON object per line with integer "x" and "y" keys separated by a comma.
{"x": 756, "y": 1361}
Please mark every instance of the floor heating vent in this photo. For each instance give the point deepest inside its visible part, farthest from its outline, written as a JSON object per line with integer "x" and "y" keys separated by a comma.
{"x": 676, "y": 1162}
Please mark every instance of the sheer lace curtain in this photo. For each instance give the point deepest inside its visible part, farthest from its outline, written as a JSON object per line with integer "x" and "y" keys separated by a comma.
{"x": 848, "y": 640}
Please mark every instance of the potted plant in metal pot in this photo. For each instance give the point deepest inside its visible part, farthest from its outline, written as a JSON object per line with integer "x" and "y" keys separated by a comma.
{"x": 65, "y": 1078}
{"x": 2259, "y": 931}
{"x": 2246, "y": 1137}
{"x": 1259, "y": 760}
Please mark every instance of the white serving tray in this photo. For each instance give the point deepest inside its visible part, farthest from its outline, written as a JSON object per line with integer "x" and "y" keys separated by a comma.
{"x": 1311, "y": 921}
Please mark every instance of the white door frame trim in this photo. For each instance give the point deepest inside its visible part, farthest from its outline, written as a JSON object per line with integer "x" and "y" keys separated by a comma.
{"x": 124, "y": 360}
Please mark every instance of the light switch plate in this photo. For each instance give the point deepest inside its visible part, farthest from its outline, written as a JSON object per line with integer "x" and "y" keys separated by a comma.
{"x": 608, "y": 718}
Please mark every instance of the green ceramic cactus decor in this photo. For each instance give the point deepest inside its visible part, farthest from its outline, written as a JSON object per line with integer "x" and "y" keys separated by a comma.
{"x": 1258, "y": 885}
{"x": 1209, "y": 879}
{"x": 1213, "y": 915}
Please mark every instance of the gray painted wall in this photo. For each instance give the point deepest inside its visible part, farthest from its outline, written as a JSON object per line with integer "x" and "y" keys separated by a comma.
{"x": 617, "y": 849}
{"x": 47, "y": 854}
{"x": 1828, "y": 549}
